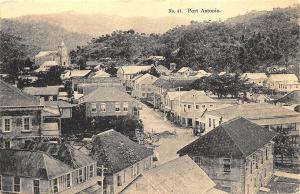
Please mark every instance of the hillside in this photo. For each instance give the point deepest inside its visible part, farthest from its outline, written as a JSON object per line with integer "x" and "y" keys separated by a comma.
{"x": 251, "y": 42}
{"x": 99, "y": 24}
{"x": 42, "y": 35}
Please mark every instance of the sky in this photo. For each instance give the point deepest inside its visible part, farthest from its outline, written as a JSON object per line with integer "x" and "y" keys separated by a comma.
{"x": 146, "y": 8}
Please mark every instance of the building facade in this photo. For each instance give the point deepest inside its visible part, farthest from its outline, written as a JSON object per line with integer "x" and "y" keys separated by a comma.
{"x": 237, "y": 156}
{"x": 143, "y": 88}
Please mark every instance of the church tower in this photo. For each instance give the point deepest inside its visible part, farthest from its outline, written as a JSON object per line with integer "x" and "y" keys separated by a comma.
{"x": 64, "y": 55}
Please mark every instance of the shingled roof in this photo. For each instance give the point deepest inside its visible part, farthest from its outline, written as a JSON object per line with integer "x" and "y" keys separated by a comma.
{"x": 62, "y": 152}
{"x": 116, "y": 151}
{"x": 11, "y": 96}
{"x": 237, "y": 138}
{"x": 31, "y": 164}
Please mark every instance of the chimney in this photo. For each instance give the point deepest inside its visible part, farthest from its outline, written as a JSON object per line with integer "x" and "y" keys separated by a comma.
{"x": 172, "y": 66}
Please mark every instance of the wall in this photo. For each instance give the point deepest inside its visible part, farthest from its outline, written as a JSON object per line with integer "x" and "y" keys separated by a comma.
{"x": 26, "y": 185}
{"x": 110, "y": 109}
{"x": 17, "y": 124}
{"x": 129, "y": 177}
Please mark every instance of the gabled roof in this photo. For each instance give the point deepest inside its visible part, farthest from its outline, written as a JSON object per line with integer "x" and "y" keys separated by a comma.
{"x": 107, "y": 94}
{"x": 33, "y": 164}
{"x": 283, "y": 78}
{"x": 92, "y": 63}
{"x": 254, "y": 76}
{"x": 45, "y": 53}
{"x": 49, "y": 64}
{"x": 195, "y": 96}
{"x": 42, "y": 91}
{"x": 181, "y": 175}
{"x": 59, "y": 103}
{"x": 62, "y": 152}
{"x": 76, "y": 73}
{"x": 173, "y": 83}
{"x": 146, "y": 79}
{"x": 101, "y": 73}
{"x": 162, "y": 69}
{"x": 116, "y": 151}
{"x": 253, "y": 111}
{"x": 236, "y": 138}
{"x": 290, "y": 98}
{"x": 183, "y": 69}
{"x": 134, "y": 69}
{"x": 11, "y": 96}
{"x": 174, "y": 94}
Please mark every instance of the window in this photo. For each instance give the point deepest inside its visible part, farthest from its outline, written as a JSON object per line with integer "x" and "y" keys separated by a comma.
{"x": 262, "y": 157}
{"x": 17, "y": 184}
{"x": 209, "y": 122}
{"x": 256, "y": 161}
{"x": 251, "y": 167}
{"x": 91, "y": 171}
{"x": 266, "y": 153}
{"x": 26, "y": 124}
{"x": 0, "y": 182}
{"x": 68, "y": 180}
{"x": 80, "y": 176}
{"x": 214, "y": 123}
{"x": 119, "y": 180}
{"x": 85, "y": 173}
{"x": 124, "y": 176}
{"x": 189, "y": 106}
{"x": 226, "y": 165}
{"x": 36, "y": 186}
{"x": 132, "y": 172}
{"x": 7, "y": 144}
{"x": 117, "y": 107}
{"x": 197, "y": 106}
{"x": 102, "y": 107}
{"x": 138, "y": 168}
{"x": 125, "y": 106}
{"x": 55, "y": 186}
{"x": 203, "y": 106}
{"x": 7, "y": 125}
{"x": 94, "y": 107}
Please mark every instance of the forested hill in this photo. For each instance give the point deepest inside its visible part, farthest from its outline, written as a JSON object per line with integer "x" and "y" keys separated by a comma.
{"x": 239, "y": 44}
{"x": 42, "y": 35}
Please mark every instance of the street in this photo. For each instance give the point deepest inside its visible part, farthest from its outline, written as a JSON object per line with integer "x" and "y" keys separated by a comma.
{"x": 168, "y": 145}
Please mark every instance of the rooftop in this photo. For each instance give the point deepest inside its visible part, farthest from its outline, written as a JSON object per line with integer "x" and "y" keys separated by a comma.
{"x": 45, "y": 53}
{"x": 116, "y": 151}
{"x": 183, "y": 69}
{"x": 49, "y": 63}
{"x": 253, "y": 111}
{"x": 195, "y": 96}
{"x": 254, "y": 76}
{"x": 62, "y": 152}
{"x": 283, "y": 78}
{"x": 101, "y": 73}
{"x": 134, "y": 69}
{"x": 76, "y": 73}
{"x": 59, "y": 103}
{"x": 290, "y": 98}
{"x": 33, "y": 164}
{"x": 173, "y": 94}
{"x": 187, "y": 178}
{"x": 236, "y": 138}
{"x": 11, "y": 96}
{"x": 107, "y": 94}
{"x": 42, "y": 91}
{"x": 149, "y": 79}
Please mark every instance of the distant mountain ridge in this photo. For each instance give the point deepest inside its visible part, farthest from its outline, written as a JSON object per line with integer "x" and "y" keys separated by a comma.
{"x": 99, "y": 24}
{"x": 43, "y": 35}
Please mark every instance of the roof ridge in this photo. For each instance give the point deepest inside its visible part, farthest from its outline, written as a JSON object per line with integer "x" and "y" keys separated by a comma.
{"x": 14, "y": 89}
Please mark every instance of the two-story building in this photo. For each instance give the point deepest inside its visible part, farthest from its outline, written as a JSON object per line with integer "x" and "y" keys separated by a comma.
{"x": 104, "y": 102}
{"x": 44, "y": 167}
{"x": 143, "y": 88}
{"x": 237, "y": 156}
{"x": 123, "y": 159}
{"x": 255, "y": 78}
{"x": 49, "y": 93}
{"x": 126, "y": 73}
{"x": 283, "y": 82}
{"x": 20, "y": 116}
{"x": 167, "y": 83}
{"x": 275, "y": 118}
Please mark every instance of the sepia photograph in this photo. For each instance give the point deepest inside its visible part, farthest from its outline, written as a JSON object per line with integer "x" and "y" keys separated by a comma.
{"x": 149, "y": 96}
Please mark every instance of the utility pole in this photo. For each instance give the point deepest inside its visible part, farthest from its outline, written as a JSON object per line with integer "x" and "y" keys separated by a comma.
{"x": 102, "y": 168}
{"x": 179, "y": 105}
